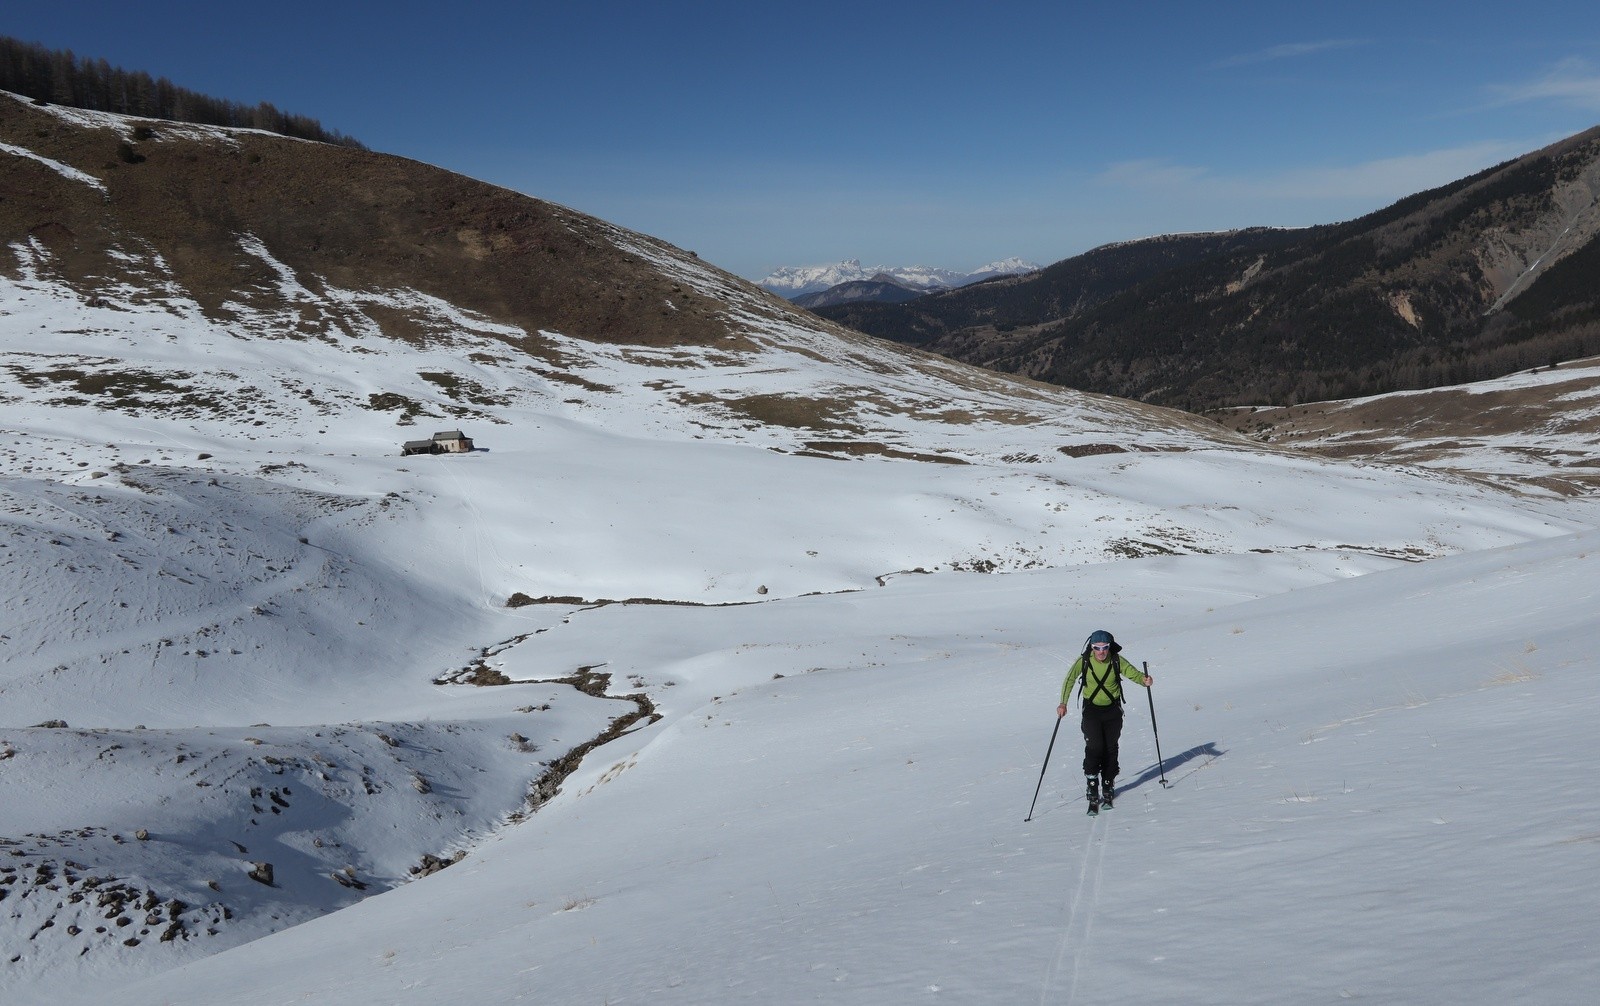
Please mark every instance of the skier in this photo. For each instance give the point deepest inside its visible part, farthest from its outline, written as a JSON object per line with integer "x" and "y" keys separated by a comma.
{"x": 1101, "y": 666}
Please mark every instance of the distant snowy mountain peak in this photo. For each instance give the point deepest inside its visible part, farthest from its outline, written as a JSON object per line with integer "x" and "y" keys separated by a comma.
{"x": 792, "y": 280}
{"x": 1004, "y": 267}
{"x": 796, "y": 281}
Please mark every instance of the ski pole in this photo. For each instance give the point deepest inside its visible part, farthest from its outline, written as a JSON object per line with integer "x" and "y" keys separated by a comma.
{"x": 1160, "y": 764}
{"x": 1046, "y": 765}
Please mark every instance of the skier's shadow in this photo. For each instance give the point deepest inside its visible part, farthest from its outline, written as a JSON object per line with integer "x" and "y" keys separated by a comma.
{"x": 1208, "y": 751}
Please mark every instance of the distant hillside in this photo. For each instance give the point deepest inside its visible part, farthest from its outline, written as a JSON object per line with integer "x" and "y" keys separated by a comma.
{"x": 1488, "y": 275}
{"x": 61, "y": 78}
{"x": 881, "y": 288}
{"x": 1006, "y": 308}
{"x": 344, "y": 216}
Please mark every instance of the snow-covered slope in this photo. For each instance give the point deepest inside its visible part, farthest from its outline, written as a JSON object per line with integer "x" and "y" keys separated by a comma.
{"x": 725, "y": 670}
{"x": 1373, "y": 795}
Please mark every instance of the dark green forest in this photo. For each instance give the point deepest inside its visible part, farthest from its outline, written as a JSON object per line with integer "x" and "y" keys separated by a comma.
{"x": 62, "y": 78}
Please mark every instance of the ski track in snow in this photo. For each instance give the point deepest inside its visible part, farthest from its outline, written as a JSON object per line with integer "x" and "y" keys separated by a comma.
{"x": 1080, "y": 918}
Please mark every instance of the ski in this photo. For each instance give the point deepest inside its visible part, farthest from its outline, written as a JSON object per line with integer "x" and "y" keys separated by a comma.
{"x": 1094, "y": 809}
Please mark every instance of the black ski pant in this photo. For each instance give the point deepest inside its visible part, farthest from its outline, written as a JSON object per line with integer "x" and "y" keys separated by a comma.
{"x": 1102, "y": 729}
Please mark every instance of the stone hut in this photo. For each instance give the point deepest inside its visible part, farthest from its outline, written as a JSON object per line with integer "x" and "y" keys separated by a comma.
{"x": 443, "y": 442}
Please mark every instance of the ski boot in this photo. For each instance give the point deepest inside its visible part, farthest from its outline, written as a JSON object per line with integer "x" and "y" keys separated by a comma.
{"x": 1108, "y": 793}
{"x": 1093, "y": 794}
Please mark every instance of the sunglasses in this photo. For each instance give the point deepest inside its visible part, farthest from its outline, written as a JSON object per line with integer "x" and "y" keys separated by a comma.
{"x": 1101, "y": 646}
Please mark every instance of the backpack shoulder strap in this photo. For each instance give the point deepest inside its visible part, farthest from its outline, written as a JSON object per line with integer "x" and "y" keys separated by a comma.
{"x": 1113, "y": 669}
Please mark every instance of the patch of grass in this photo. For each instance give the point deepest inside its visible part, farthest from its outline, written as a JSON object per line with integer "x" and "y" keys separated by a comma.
{"x": 116, "y": 384}
{"x": 869, "y": 448}
{"x": 1090, "y": 450}
{"x": 389, "y": 401}
{"x": 128, "y": 389}
{"x": 404, "y": 326}
{"x": 920, "y": 409}
{"x": 462, "y": 389}
{"x": 563, "y": 377}
{"x": 664, "y": 358}
{"x": 793, "y": 411}
{"x": 1133, "y": 548}
{"x": 481, "y": 675}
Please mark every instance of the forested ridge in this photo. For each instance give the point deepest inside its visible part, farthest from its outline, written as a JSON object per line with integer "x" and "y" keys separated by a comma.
{"x": 58, "y": 76}
{"x": 1481, "y": 277}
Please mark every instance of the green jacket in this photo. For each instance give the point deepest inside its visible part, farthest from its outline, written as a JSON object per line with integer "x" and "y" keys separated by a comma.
{"x": 1103, "y": 672}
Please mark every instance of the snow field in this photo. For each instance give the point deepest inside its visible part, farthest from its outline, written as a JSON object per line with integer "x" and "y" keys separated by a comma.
{"x": 1334, "y": 829}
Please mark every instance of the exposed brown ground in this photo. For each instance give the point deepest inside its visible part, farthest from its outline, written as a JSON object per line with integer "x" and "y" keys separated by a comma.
{"x": 351, "y": 218}
{"x": 1543, "y": 434}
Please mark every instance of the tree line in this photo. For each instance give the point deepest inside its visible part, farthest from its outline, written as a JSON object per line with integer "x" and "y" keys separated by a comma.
{"x": 57, "y": 76}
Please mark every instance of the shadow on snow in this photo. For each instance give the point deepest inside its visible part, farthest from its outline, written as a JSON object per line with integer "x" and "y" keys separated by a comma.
{"x": 1208, "y": 751}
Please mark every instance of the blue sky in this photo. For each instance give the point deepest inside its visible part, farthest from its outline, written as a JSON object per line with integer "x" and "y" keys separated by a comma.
{"x": 943, "y": 134}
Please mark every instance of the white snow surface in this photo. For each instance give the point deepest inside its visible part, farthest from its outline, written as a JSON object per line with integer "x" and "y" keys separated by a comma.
{"x": 64, "y": 170}
{"x": 1375, "y": 686}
